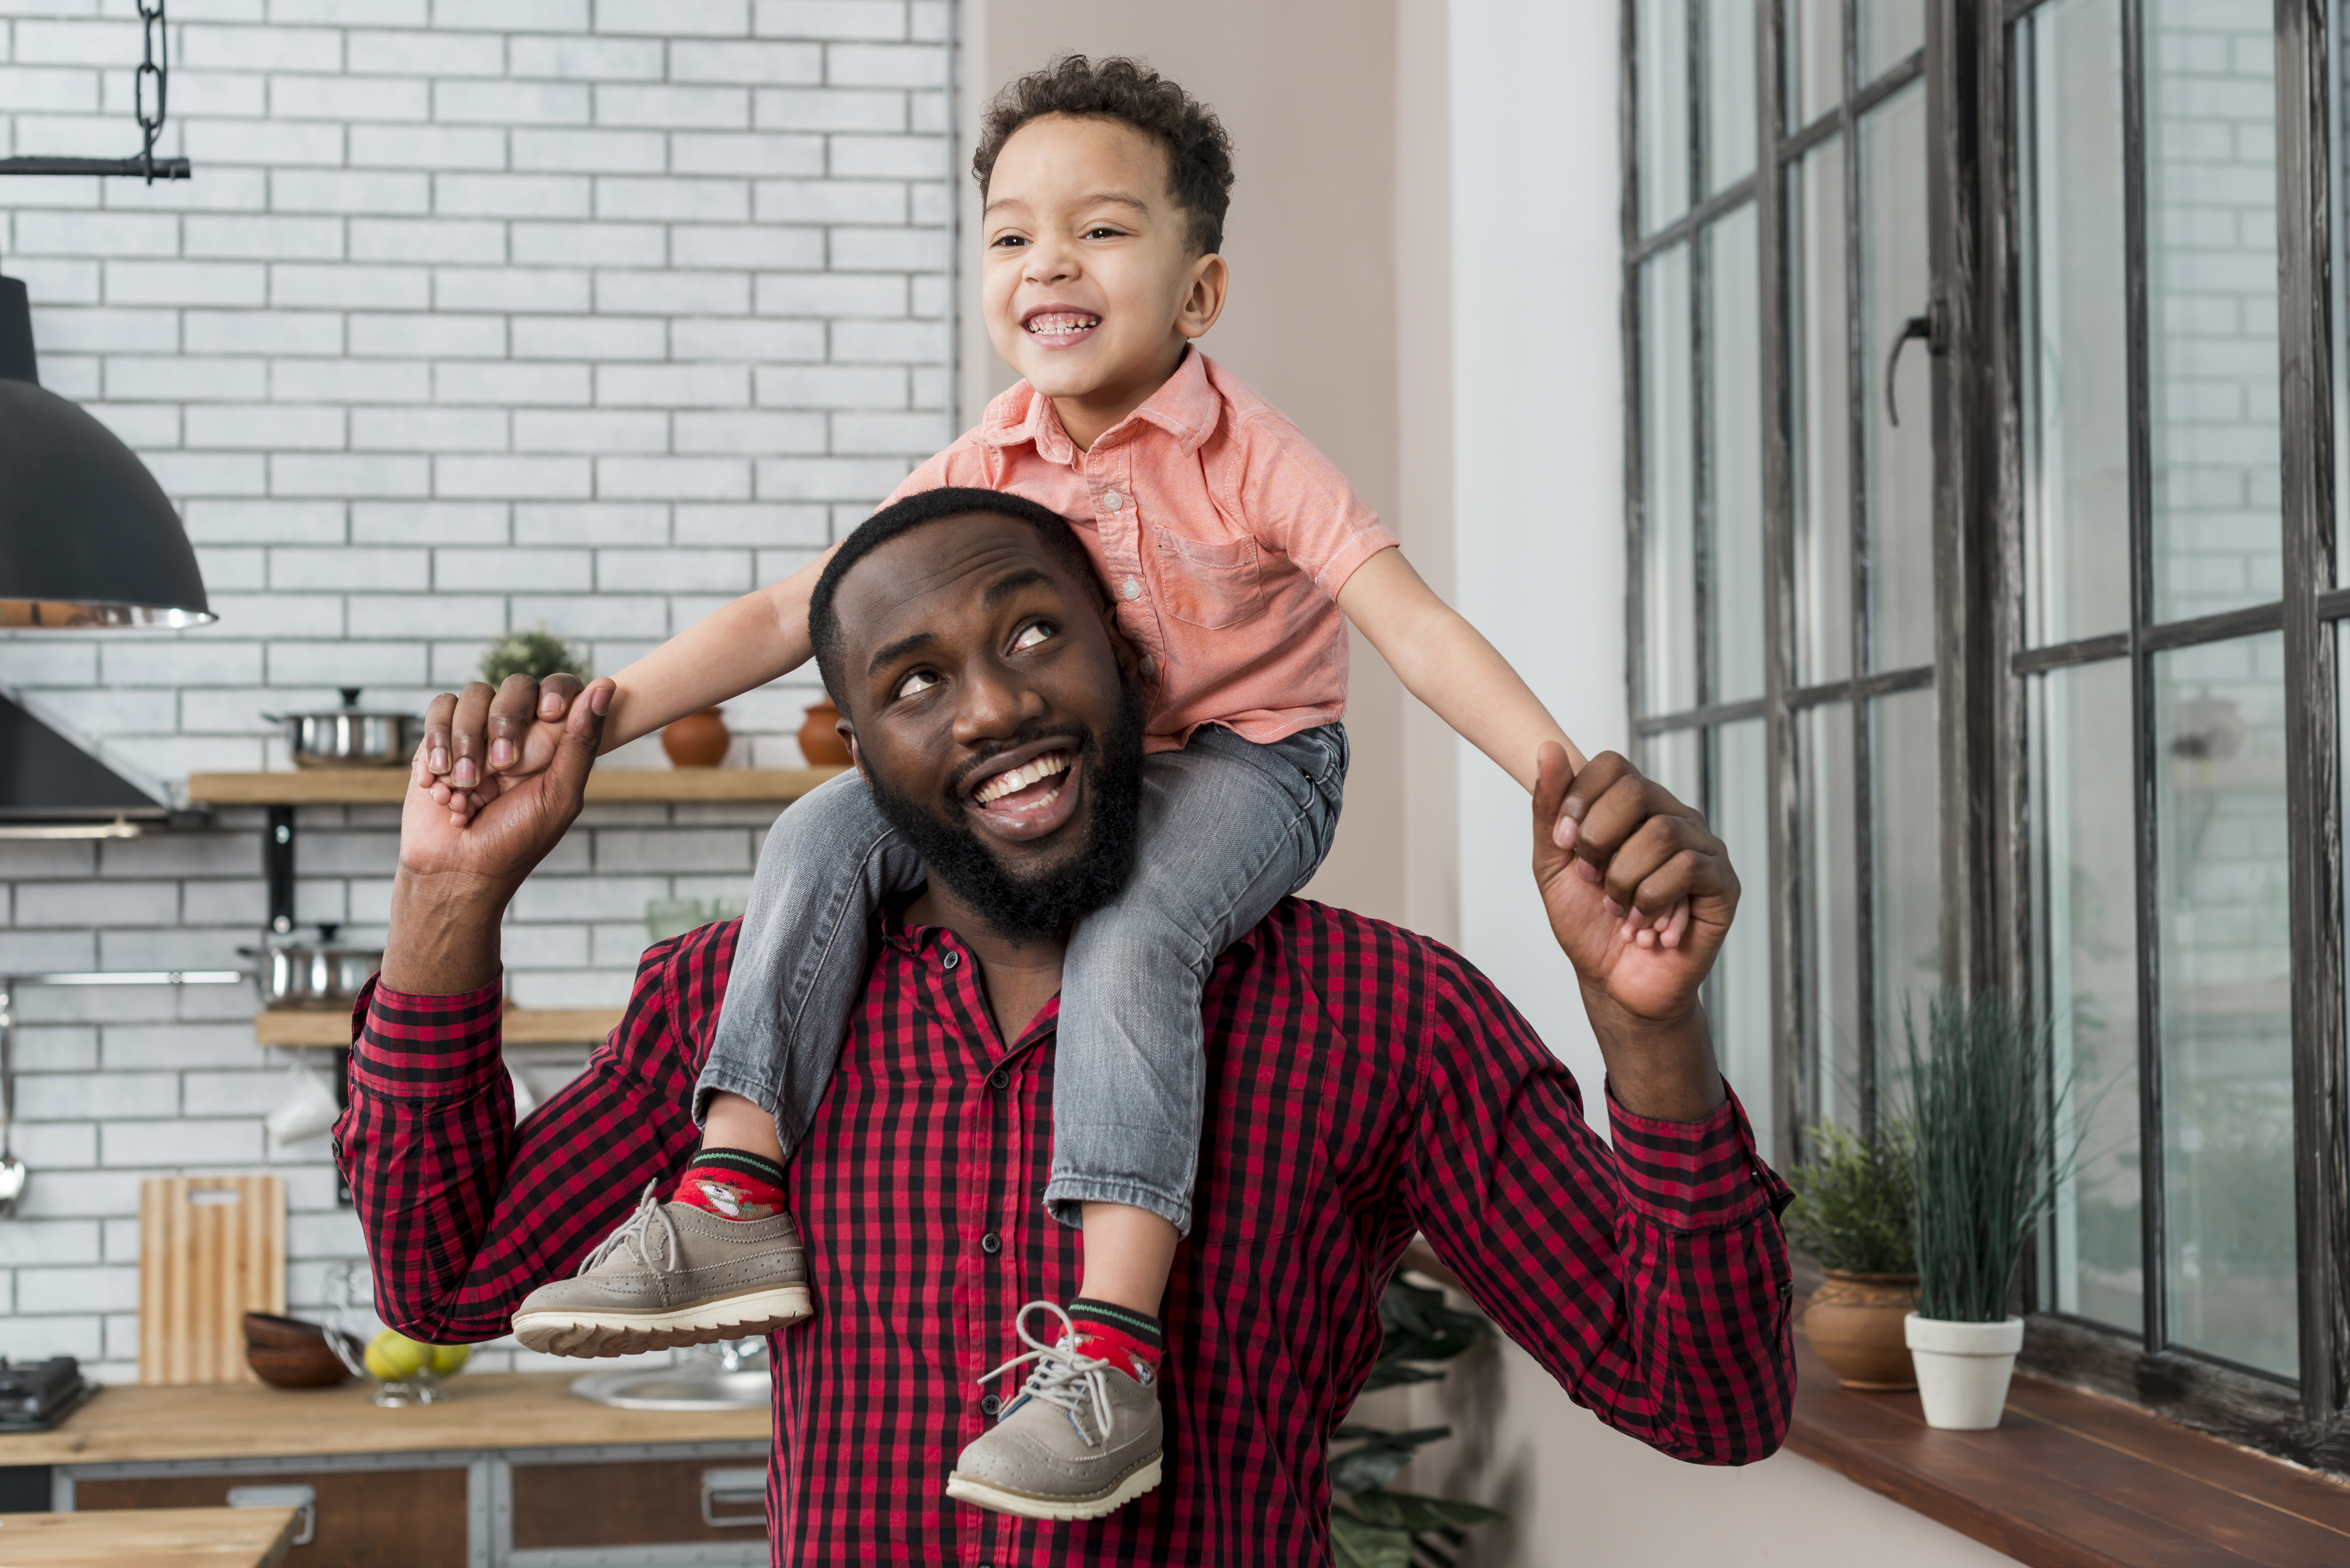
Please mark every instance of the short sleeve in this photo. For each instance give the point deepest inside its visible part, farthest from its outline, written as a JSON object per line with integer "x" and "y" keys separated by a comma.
{"x": 1296, "y": 502}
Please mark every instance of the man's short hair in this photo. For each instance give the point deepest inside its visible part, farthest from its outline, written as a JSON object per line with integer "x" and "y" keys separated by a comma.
{"x": 1053, "y": 531}
{"x": 1199, "y": 153}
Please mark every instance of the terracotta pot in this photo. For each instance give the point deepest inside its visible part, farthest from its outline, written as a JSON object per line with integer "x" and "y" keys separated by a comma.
{"x": 698, "y": 740}
{"x": 1855, "y": 1322}
{"x": 821, "y": 744}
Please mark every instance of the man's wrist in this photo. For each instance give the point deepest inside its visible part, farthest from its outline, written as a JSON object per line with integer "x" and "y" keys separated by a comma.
{"x": 444, "y": 938}
{"x": 1661, "y": 1069}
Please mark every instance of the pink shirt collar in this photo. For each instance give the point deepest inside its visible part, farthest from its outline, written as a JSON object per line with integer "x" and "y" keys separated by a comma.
{"x": 1187, "y": 407}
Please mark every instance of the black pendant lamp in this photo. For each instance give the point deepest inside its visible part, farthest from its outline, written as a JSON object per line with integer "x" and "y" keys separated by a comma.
{"x": 88, "y": 539}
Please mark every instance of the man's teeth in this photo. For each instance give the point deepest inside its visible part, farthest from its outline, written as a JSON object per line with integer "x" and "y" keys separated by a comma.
{"x": 1050, "y": 326}
{"x": 1021, "y": 777}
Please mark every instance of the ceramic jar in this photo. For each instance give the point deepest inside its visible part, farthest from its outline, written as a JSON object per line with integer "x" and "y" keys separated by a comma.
{"x": 698, "y": 740}
{"x": 821, "y": 744}
{"x": 1855, "y": 1323}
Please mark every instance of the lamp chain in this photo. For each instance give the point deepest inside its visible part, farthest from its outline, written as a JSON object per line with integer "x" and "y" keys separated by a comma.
{"x": 156, "y": 64}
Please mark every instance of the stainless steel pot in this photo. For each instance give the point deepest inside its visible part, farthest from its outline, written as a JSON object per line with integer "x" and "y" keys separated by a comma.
{"x": 350, "y": 736}
{"x": 324, "y": 974}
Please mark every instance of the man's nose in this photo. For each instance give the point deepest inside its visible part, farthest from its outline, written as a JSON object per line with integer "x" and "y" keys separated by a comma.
{"x": 995, "y": 704}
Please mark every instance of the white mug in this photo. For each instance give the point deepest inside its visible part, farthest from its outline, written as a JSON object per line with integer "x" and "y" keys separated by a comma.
{"x": 307, "y": 1110}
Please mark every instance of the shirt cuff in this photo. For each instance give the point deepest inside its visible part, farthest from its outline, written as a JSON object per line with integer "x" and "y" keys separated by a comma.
{"x": 414, "y": 1047}
{"x": 1361, "y": 547}
{"x": 1695, "y": 1176}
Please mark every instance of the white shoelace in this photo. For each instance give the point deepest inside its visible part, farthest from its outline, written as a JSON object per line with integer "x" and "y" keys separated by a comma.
{"x": 1063, "y": 1375}
{"x": 634, "y": 1234}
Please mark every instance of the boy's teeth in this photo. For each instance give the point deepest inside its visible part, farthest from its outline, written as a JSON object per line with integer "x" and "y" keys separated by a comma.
{"x": 1048, "y": 324}
{"x": 1021, "y": 777}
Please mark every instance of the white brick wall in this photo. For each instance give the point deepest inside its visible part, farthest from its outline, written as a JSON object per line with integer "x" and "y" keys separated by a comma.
{"x": 478, "y": 314}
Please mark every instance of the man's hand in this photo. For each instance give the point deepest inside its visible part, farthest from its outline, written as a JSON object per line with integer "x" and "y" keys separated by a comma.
{"x": 454, "y": 878}
{"x": 1640, "y": 895}
{"x": 481, "y": 742}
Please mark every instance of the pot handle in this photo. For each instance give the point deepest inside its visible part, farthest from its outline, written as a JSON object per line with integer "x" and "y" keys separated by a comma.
{"x": 276, "y": 718}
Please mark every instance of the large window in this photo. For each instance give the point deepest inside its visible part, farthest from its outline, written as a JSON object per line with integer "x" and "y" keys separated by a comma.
{"x": 1983, "y": 520}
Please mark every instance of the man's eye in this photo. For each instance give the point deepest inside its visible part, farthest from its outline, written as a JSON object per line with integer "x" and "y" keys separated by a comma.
{"x": 921, "y": 680}
{"x": 1031, "y": 635}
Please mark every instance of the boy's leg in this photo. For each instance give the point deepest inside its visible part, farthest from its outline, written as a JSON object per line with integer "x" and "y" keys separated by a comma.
{"x": 736, "y": 1266}
{"x": 1228, "y": 828}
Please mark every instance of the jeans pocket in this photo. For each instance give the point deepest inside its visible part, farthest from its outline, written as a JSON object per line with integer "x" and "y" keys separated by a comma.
{"x": 1208, "y": 586}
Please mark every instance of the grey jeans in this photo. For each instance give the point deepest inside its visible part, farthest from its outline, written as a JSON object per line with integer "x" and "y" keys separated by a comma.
{"x": 1229, "y": 827}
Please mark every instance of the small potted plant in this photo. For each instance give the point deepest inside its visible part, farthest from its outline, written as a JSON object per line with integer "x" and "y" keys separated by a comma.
{"x": 1851, "y": 1214}
{"x": 1985, "y": 1165}
{"x": 538, "y": 653}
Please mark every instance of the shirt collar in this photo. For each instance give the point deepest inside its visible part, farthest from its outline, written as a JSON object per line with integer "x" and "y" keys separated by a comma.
{"x": 1186, "y": 406}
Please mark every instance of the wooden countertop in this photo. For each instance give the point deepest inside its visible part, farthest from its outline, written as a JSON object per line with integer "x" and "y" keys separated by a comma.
{"x": 252, "y": 1420}
{"x": 386, "y": 786}
{"x": 149, "y": 1538}
{"x": 290, "y": 1026}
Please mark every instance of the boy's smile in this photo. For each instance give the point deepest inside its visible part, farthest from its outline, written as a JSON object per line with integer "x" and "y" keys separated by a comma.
{"x": 1089, "y": 286}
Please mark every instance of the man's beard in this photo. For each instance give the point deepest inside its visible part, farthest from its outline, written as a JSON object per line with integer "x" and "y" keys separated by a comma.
{"x": 1022, "y": 909}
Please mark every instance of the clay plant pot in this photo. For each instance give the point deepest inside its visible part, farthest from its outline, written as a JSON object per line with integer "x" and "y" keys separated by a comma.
{"x": 821, "y": 744}
{"x": 697, "y": 740}
{"x": 1855, "y": 1322}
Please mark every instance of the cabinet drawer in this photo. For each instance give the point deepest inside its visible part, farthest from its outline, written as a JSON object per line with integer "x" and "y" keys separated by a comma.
{"x": 650, "y": 1503}
{"x": 366, "y": 1519}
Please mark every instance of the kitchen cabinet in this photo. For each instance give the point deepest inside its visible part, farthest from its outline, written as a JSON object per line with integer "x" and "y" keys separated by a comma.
{"x": 359, "y": 1519}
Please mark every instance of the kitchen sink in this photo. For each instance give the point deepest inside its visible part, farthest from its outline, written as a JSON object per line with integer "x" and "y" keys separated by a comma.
{"x": 686, "y": 1388}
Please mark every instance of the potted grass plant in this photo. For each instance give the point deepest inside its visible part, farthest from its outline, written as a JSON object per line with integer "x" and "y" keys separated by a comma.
{"x": 1851, "y": 1215}
{"x": 1984, "y": 1113}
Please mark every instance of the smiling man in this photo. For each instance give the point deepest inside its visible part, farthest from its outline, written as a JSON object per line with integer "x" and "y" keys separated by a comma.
{"x": 1363, "y": 1083}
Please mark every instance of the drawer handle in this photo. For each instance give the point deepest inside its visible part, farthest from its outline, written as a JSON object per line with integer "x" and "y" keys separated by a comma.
{"x": 305, "y": 1497}
{"x": 733, "y": 1489}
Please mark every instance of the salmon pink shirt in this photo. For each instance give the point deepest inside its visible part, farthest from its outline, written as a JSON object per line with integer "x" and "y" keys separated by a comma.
{"x": 1222, "y": 535}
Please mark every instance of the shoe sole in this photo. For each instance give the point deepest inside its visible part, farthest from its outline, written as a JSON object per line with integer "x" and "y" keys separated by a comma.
{"x": 592, "y": 1334}
{"x": 980, "y": 1494}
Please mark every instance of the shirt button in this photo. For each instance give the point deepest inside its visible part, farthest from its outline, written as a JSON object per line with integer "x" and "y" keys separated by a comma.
{"x": 991, "y": 1244}
{"x": 1133, "y": 590}
{"x": 1148, "y": 665}
{"x": 999, "y": 1079}
{"x": 1113, "y": 501}
{"x": 990, "y": 1405}
{"x": 951, "y": 960}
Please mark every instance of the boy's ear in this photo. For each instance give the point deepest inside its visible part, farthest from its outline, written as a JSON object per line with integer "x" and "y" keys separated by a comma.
{"x": 1205, "y": 300}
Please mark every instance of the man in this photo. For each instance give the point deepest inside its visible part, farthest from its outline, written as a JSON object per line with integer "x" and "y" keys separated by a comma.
{"x": 1364, "y": 1083}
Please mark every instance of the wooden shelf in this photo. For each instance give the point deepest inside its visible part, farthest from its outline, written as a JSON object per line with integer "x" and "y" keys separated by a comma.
{"x": 522, "y": 1026}
{"x": 387, "y": 786}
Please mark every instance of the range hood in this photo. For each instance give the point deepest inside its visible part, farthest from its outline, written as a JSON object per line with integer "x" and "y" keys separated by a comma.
{"x": 44, "y": 777}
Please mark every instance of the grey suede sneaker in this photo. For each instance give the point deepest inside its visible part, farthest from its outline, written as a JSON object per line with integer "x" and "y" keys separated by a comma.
{"x": 1082, "y": 1440}
{"x": 673, "y": 1274}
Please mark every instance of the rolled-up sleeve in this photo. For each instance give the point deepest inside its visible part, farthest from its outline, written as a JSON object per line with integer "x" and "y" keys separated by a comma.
{"x": 1650, "y": 1278}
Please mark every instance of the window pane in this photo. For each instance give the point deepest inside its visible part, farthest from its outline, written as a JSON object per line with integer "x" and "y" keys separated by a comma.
{"x": 1734, "y": 550}
{"x": 1822, "y": 462}
{"x": 1894, "y": 287}
{"x": 1814, "y": 58}
{"x": 1661, "y": 85}
{"x": 1907, "y": 872}
{"x": 1830, "y": 916}
{"x": 1668, "y": 477}
{"x": 2227, "y": 1058}
{"x": 1890, "y": 31}
{"x": 2084, "y": 878}
{"x": 1676, "y": 760}
{"x": 1728, "y": 92}
{"x": 2211, "y": 276}
{"x": 2075, "y": 351}
{"x": 1740, "y": 1005}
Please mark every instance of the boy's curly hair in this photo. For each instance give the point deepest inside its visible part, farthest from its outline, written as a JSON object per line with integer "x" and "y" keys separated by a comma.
{"x": 1199, "y": 153}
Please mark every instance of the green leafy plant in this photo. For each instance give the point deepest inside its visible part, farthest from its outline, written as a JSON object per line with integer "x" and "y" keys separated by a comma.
{"x": 1987, "y": 1156}
{"x": 1375, "y": 1527}
{"x": 1852, "y": 1198}
{"x": 538, "y": 653}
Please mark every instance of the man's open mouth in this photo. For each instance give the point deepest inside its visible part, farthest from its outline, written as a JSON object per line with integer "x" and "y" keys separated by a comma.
{"x": 1061, "y": 324}
{"x": 1030, "y": 796}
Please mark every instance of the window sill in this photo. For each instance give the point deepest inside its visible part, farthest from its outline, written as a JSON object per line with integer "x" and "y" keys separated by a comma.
{"x": 2071, "y": 1480}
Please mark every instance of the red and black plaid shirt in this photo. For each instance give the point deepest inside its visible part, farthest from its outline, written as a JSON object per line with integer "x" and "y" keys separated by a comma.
{"x": 1363, "y": 1083}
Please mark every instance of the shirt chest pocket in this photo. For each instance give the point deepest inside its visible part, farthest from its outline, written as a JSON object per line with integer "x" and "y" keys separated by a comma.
{"x": 1209, "y": 586}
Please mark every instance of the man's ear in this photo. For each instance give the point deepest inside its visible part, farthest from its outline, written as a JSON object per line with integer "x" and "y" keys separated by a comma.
{"x": 1129, "y": 663}
{"x": 856, "y": 752}
{"x": 1205, "y": 301}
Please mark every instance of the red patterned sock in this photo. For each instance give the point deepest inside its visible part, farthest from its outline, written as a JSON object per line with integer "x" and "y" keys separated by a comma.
{"x": 732, "y": 1184}
{"x": 1116, "y": 1334}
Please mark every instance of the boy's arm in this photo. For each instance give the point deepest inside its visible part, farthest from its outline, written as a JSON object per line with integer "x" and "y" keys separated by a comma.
{"x": 1448, "y": 664}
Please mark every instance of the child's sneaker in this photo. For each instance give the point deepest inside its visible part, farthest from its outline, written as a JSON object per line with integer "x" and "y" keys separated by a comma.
{"x": 675, "y": 1273}
{"x": 1082, "y": 1440}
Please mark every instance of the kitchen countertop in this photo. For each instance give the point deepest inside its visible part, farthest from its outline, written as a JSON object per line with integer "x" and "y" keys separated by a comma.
{"x": 149, "y": 1538}
{"x": 130, "y": 1422}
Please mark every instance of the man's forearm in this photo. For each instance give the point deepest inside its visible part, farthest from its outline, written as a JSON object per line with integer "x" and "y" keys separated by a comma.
{"x": 445, "y": 934}
{"x": 1665, "y": 1072}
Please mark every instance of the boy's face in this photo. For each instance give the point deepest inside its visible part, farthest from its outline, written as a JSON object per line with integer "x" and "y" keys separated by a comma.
{"x": 1090, "y": 285}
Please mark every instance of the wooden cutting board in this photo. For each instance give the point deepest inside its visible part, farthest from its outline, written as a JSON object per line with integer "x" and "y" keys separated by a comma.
{"x": 211, "y": 1248}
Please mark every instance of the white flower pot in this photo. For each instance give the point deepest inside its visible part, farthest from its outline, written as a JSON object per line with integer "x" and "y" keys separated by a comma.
{"x": 1963, "y": 1369}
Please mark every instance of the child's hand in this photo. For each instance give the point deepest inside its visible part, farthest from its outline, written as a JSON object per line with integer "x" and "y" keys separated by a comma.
{"x": 1665, "y": 930}
{"x": 481, "y": 742}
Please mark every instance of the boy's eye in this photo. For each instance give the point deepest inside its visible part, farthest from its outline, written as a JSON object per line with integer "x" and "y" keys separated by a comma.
{"x": 1010, "y": 240}
{"x": 913, "y": 683}
{"x": 1101, "y": 231}
{"x": 1031, "y": 635}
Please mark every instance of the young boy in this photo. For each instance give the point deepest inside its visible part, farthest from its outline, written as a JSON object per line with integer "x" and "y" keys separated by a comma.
{"x": 1231, "y": 548}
